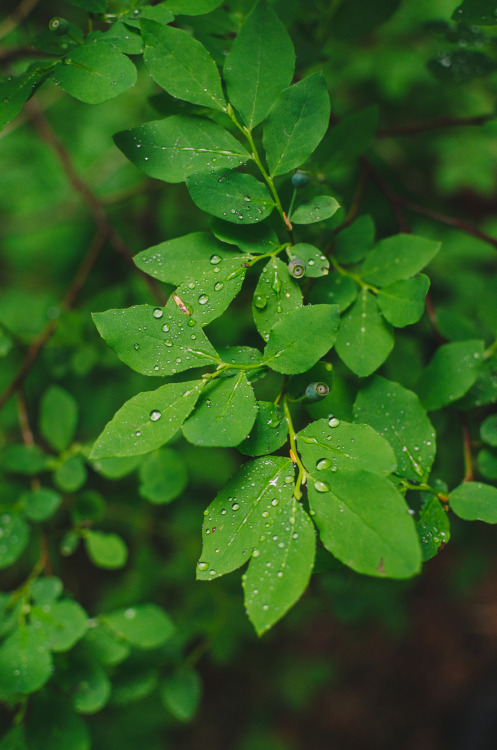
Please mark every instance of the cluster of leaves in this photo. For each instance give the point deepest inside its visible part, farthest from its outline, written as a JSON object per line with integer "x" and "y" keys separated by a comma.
{"x": 355, "y": 484}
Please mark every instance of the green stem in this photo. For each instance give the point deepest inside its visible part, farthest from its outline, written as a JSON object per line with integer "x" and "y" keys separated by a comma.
{"x": 355, "y": 276}
{"x": 257, "y": 258}
{"x": 302, "y": 475}
{"x": 490, "y": 351}
{"x": 292, "y": 203}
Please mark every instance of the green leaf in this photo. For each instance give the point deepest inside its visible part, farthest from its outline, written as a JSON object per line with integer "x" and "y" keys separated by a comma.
{"x": 353, "y": 18}
{"x": 133, "y": 432}
{"x": 476, "y": 13}
{"x": 364, "y": 522}
{"x": 180, "y": 692}
{"x": 115, "y": 468}
{"x": 433, "y": 528}
{"x": 25, "y": 662}
{"x": 461, "y": 66}
{"x": 487, "y": 464}
{"x": 364, "y": 340}
{"x": 224, "y": 414}
{"x": 328, "y": 444}
{"x": 163, "y": 476}
{"x": 89, "y": 686}
{"x": 318, "y": 209}
{"x": 355, "y": 241}
{"x": 301, "y": 338}
{"x": 450, "y": 373}
{"x": 276, "y": 294}
{"x": 176, "y": 147}
{"x": 41, "y": 504}
{"x": 232, "y": 196}
{"x": 269, "y": 431}
{"x": 235, "y": 520}
{"x": 398, "y": 257}
{"x": 71, "y": 475}
{"x": 474, "y": 501}
{"x": 17, "y": 90}
{"x": 316, "y": 264}
{"x": 259, "y": 65}
{"x": 156, "y": 341}
{"x": 47, "y": 589}
{"x": 211, "y": 293}
{"x": 60, "y": 624}
{"x": 14, "y": 740}
{"x": 488, "y": 430}
{"x": 133, "y": 683}
{"x": 14, "y": 535}
{"x": 106, "y": 550}
{"x": 403, "y": 302}
{"x": 53, "y": 725}
{"x": 105, "y": 645}
{"x": 192, "y": 7}
{"x": 396, "y": 414}
{"x": 257, "y": 238}
{"x": 144, "y": 625}
{"x": 58, "y": 417}
{"x": 95, "y": 72}
{"x": 122, "y": 37}
{"x": 181, "y": 65}
{"x": 24, "y": 459}
{"x": 348, "y": 140}
{"x": 334, "y": 290}
{"x": 296, "y": 124}
{"x": 281, "y": 566}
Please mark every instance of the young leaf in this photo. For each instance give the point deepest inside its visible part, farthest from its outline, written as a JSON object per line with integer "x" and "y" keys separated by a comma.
{"x": 15, "y": 91}
{"x": 106, "y": 550}
{"x": 163, "y": 476}
{"x": 176, "y": 147}
{"x": 235, "y": 197}
{"x": 403, "y": 302}
{"x": 148, "y": 420}
{"x": 181, "y": 65}
{"x": 71, "y": 474}
{"x": 53, "y": 725}
{"x": 269, "y": 431}
{"x": 488, "y": 430}
{"x": 25, "y": 661}
{"x": 281, "y": 566}
{"x": 364, "y": 340}
{"x": 398, "y": 257}
{"x": 156, "y": 341}
{"x": 487, "y": 464}
{"x": 450, "y": 373}
{"x": 296, "y": 124}
{"x": 301, "y": 338}
{"x": 181, "y": 692}
{"x": 257, "y": 238}
{"x": 318, "y": 209}
{"x": 329, "y": 444}
{"x": 235, "y": 520}
{"x": 61, "y": 624}
{"x": 316, "y": 264}
{"x": 95, "y": 72}
{"x": 14, "y": 535}
{"x": 224, "y": 414}
{"x": 433, "y": 528}
{"x": 40, "y": 504}
{"x": 89, "y": 686}
{"x": 259, "y": 65}
{"x": 276, "y": 294}
{"x": 475, "y": 501}
{"x": 144, "y": 625}
{"x": 363, "y": 521}
{"x": 396, "y": 414}
{"x": 461, "y": 66}
{"x": 58, "y": 418}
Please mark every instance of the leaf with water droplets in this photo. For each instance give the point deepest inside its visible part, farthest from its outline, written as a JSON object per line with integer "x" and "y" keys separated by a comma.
{"x": 474, "y": 501}
{"x": 131, "y": 432}
{"x": 156, "y": 341}
{"x": 334, "y": 289}
{"x": 364, "y": 522}
{"x": 259, "y": 65}
{"x": 296, "y": 124}
{"x": 269, "y": 431}
{"x": 335, "y": 445}
{"x": 25, "y": 662}
{"x": 399, "y": 257}
{"x": 235, "y": 520}
{"x": 191, "y": 7}
{"x": 318, "y": 209}
{"x": 476, "y": 13}
{"x": 95, "y": 72}
{"x": 175, "y": 147}
{"x": 461, "y": 65}
{"x": 233, "y": 196}
{"x": 61, "y": 624}
{"x": 396, "y": 414}
{"x": 276, "y": 294}
{"x": 144, "y": 625}
{"x": 14, "y": 536}
{"x": 301, "y": 338}
{"x": 17, "y": 90}
{"x": 256, "y": 238}
{"x": 316, "y": 264}
{"x": 224, "y": 413}
{"x": 403, "y": 302}
{"x": 181, "y": 65}
{"x": 450, "y": 373}
{"x": 433, "y": 528}
{"x": 279, "y": 574}
{"x": 364, "y": 340}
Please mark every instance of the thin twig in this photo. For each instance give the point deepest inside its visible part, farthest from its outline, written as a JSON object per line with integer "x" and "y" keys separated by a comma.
{"x": 468, "y": 461}
{"x": 392, "y": 197}
{"x": 436, "y": 123}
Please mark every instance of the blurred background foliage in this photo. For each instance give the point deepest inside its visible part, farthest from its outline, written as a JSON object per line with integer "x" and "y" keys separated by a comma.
{"x": 359, "y": 663}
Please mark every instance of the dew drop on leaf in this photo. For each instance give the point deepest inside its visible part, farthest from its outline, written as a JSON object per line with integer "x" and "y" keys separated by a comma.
{"x": 158, "y": 313}
{"x": 324, "y": 463}
{"x": 155, "y": 415}
{"x": 260, "y": 302}
{"x": 203, "y": 565}
{"x": 333, "y": 422}
{"x": 203, "y": 299}
{"x": 215, "y": 259}
{"x": 321, "y": 487}
{"x": 165, "y": 328}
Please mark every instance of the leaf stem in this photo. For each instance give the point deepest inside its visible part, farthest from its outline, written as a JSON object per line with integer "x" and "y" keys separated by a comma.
{"x": 302, "y": 475}
{"x": 354, "y": 276}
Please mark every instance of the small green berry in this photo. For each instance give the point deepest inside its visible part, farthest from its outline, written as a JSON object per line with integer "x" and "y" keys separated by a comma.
{"x": 300, "y": 179}
{"x": 58, "y": 25}
{"x": 296, "y": 267}
{"x": 316, "y": 391}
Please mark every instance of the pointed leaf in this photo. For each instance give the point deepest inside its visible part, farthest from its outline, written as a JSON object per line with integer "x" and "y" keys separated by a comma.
{"x": 450, "y": 373}
{"x": 364, "y": 340}
{"x": 276, "y": 294}
{"x": 257, "y": 238}
{"x": 58, "y": 418}
{"x": 281, "y": 566}
{"x": 232, "y": 196}
{"x": 269, "y": 431}
{"x": 318, "y": 209}
{"x": 403, "y": 302}
{"x": 95, "y": 72}
{"x": 433, "y": 528}
{"x": 15, "y": 91}
{"x": 163, "y": 476}
{"x": 235, "y": 520}
{"x": 364, "y": 522}
{"x": 61, "y": 624}
{"x": 398, "y": 257}
{"x": 148, "y": 420}
{"x": 475, "y": 501}
{"x": 176, "y": 147}
{"x": 181, "y": 65}
{"x": 301, "y": 338}
{"x": 259, "y": 65}
{"x": 144, "y": 625}
{"x": 106, "y": 550}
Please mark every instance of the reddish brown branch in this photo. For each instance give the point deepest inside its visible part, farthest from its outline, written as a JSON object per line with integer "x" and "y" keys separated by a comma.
{"x": 436, "y": 123}
{"x": 468, "y": 460}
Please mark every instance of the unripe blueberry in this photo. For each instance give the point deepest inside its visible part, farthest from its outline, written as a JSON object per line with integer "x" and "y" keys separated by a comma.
{"x": 300, "y": 179}
{"x": 317, "y": 391}
{"x": 296, "y": 267}
{"x": 58, "y": 25}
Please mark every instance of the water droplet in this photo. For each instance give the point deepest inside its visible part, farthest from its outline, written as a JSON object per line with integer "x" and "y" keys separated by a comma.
{"x": 215, "y": 259}
{"x": 324, "y": 463}
{"x": 203, "y": 299}
{"x": 274, "y": 501}
{"x": 168, "y": 342}
{"x": 235, "y": 506}
{"x": 288, "y": 480}
{"x": 246, "y": 197}
{"x": 333, "y": 422}
{"x": 321, "y": 487}
{"x": 158, "y": 313}
{"x": 155, "y": 415}
{"x": 255, "y": 553}
{"x": 191, "y": 322}
{"x": 136, "y": 346}
{"x": 218, "y": 286}
{"x": 165, "y": 328}
{"x": 202, "y": 565}
{"x": 260, "y": 302}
